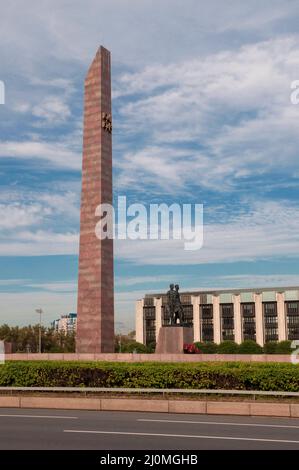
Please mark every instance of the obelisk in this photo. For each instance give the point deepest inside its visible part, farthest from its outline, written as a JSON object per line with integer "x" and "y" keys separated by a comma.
{"x": 95, "y": 327}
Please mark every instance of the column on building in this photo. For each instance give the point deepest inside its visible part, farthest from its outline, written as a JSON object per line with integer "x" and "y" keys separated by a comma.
{"x": 195, "y": 301}
{"x": 259, "y": 322}
{"x": 281, "y": 317}
{"x": 216, "y": 319}
{"x": 237, "y": 319}
{"x": 140, "y": 334}
{"x": 158, "y": 309}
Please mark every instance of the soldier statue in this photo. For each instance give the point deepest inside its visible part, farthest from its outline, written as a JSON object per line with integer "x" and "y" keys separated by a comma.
{"x": 170, "y": 302}
{"x": 178, "y": 309}
{"x": 174, "y": 306}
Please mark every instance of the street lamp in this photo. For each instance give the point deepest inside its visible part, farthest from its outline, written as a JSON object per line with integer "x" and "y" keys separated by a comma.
{"x": 40, "y": 311}
{"x": 119, "y": 324}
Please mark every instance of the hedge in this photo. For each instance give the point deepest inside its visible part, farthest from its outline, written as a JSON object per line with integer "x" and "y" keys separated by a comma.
{"x": 228, "y": 347}
{"x": 227, "y": 375}
{"x": 247, "y": 347}
{"x": 270, "y": 347}
{"x": 207, "y": 348}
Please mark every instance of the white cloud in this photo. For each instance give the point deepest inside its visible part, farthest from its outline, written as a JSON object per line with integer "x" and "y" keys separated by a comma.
{"x": 129, "y": 281}
{"x": 58, "y": 83}
{"x": 21, "y": 107}
{"x": 232, "y": 107}
{"x": 38, "y": 243}
{"x": 258, "y": 280}
{"x": 59, "y": 286}
{"x": 262, "y": 230}
{"x": 53, "y": 153}
{"x": 52, "y": 109}
{"x": 12, "y": 282}
{"x": 136, "y": 31}
{"x": 67, "y": 203}
{"x": 28, "y": 206}
{"x": 269, "y": 229}
{"x": 39, "y": 223}
{"x": 13, "y": 216}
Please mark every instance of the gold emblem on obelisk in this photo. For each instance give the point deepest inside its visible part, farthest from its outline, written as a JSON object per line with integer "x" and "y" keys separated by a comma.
{"x": 107, "y": 122}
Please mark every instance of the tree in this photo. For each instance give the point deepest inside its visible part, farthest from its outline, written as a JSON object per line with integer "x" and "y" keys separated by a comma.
{"x": 26, "y": 339}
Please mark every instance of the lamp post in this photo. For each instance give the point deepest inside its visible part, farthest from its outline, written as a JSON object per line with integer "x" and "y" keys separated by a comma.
{"x": 119, "y": 324}
{"x": 40, "y": 311}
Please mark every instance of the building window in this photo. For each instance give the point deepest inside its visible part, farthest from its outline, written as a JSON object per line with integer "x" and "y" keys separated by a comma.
{"x": 227, "y": 322}
{"x": 165, "y": 316}
{"x": 248, "y": 320}
{"x": 292, "y": 312}
{"x": 188, "y": 313}
{"x": 270, "y": 321}
{"x": 149, "y": 315}
{"x": 207, "y": 327}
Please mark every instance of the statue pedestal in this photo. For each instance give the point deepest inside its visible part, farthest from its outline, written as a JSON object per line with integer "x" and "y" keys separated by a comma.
{"x": 171, "y": 339}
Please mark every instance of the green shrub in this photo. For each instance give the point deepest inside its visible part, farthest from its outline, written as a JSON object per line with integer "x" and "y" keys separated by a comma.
{"x": 227, "y": 347}
{"x": 151, "y": 347}
{"x": 270, "y": 347}
{"x": 134, "y": 346}
{"x": 212, "y": 375}
{"x": 207, "y": 348}
{"x": 283, "y": 347}
{"x": 250, "y": 347}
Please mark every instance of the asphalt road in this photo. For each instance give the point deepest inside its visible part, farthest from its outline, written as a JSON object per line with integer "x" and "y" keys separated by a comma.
{"x": 57, "y": 429}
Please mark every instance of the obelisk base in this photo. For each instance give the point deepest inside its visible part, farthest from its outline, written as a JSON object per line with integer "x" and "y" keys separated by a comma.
{"x": 171, "y": 339}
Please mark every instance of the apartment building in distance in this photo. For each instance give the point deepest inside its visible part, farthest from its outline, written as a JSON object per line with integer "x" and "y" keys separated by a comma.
{"x": 262, "y": 315}
{"x": 66, "y": 323}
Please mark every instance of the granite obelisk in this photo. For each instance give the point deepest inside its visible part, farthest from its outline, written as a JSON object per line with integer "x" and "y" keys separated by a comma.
{"x": 95, "y": 327}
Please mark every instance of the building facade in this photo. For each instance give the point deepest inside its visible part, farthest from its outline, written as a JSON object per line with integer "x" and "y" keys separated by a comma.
{"x": 66, "y": 323}
{"x": 262, "y": 315}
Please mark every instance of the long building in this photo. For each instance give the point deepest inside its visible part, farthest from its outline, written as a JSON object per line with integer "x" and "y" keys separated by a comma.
{"x": 263, "y": 314}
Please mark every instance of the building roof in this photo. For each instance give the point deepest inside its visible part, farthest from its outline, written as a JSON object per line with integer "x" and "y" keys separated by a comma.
{"x": 257, "y": 290}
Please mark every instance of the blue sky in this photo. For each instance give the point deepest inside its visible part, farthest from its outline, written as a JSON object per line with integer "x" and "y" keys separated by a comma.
{"x": 202, "y": 114}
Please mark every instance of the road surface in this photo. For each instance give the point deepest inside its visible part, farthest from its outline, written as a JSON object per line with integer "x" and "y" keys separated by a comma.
{"x": 104, "y": 430}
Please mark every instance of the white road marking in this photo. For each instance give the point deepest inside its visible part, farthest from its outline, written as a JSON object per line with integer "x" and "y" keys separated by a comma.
{"x": 218, "y": 423}
{"x": 188, "y": 436}
{"x": 38, "y": 416}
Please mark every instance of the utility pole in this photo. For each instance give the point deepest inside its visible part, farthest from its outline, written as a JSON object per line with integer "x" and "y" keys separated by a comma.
{"x": 119, "y": 325}
{"x": 40, "y": 311}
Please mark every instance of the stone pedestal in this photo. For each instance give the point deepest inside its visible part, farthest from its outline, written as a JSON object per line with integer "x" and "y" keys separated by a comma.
{"x": 171, "y": 339}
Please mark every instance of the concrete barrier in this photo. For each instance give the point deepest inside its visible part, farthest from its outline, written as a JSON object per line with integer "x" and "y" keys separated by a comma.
{"x": 294, "y": 411}
{"x": 129, "y": 404}
{"x": 128, "y": 357}
{"x": 267, "y": 409}
{"x": 187, "y": 406}
{"x": 57, "y": 403}
{"x": 156, "y": 406}
{"x": 10, "y": 402}
{"x": 226, "y": 408}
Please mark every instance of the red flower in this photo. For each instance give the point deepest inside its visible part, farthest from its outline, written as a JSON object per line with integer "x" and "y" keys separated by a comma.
{"x": 190, "y": 348}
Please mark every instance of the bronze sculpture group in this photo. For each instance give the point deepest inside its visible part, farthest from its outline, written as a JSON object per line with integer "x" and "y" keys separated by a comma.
{"x": 174, "y": 307}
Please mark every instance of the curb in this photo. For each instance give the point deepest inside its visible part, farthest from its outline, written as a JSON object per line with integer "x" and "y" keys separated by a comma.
{"x": 132, "y": 357}
{"x": 286, "y": 410}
